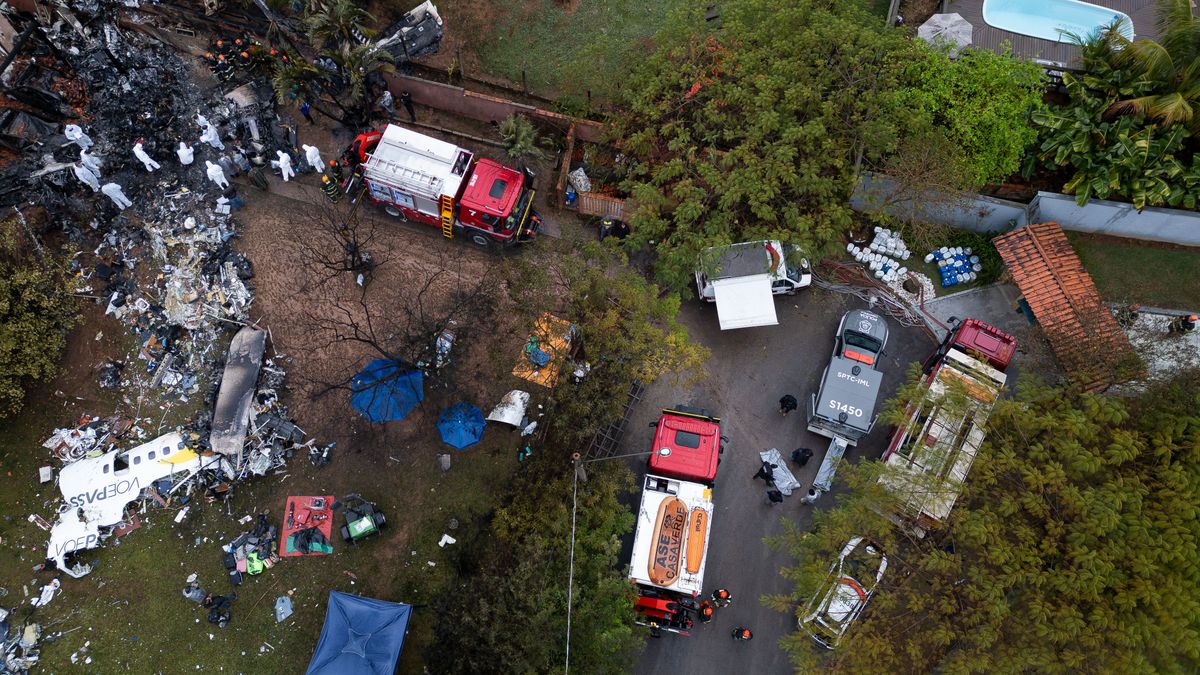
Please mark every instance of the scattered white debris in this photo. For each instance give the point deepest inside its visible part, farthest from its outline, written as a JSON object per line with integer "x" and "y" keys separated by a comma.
{"x": 47, "y": 594}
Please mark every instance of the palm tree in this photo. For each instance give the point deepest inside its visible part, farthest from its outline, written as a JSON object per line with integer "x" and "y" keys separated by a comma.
{"x": 360, "y": 65}
{"x": 337, "y": 22}
{"x": 1166, "y": 71}
{"x": 294, "y": 79}
{"x": 299, "y": 79}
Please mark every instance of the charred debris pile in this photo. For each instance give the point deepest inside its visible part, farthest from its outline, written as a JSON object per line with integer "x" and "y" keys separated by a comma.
{"x": 163, "y": 265}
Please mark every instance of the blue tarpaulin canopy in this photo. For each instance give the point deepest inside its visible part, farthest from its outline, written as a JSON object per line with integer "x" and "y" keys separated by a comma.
{"x": 361, "y": 636}
{"x": 386, "y": 390}
{"x": 461, "y": 425}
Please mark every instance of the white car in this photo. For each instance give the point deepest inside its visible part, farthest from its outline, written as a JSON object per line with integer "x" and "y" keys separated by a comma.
{"x": 851, "y": 582}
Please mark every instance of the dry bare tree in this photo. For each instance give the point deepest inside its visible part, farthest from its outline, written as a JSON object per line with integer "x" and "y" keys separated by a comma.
{"x": 335, "y": 240}
{"x": 920, "y": 183}
{"x": 401, "y": 318}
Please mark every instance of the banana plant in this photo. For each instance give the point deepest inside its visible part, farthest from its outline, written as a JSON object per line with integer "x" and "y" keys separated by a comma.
{"x": 1133, "y": 155}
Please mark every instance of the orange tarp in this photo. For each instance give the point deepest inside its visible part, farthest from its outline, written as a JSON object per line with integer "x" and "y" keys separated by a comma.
{"x": 553, "y": 337}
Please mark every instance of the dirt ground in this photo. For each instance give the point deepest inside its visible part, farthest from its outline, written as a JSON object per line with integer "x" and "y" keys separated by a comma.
{"x": 917, "y": 12}
{"x": 129, "y": 612}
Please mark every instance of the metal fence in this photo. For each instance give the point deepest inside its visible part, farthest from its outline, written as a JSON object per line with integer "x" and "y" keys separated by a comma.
{"x": 605, "y": 442}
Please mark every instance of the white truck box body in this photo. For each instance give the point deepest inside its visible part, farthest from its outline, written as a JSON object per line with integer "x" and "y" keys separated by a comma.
{"x": 656, "y": 490}
{"x": 939, "y": 452}
{"x": 745, "y": 302}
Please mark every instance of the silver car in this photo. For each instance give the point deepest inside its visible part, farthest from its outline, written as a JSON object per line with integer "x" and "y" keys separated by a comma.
{"x": 845, "y": 592}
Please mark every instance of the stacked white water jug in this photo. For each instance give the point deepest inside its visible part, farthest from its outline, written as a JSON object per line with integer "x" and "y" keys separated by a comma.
{"x": 956, "y": 265}
{"x": 883, "y": 255}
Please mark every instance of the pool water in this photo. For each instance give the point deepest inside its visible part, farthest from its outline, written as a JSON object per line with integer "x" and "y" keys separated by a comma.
{"x": 1051, "y": 19}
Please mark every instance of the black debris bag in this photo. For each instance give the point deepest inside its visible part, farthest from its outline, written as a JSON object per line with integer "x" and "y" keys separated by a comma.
{"x": 307, "y": 539}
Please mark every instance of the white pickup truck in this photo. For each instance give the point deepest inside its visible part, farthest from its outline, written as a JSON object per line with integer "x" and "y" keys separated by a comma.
{"x": 743, "y": 278}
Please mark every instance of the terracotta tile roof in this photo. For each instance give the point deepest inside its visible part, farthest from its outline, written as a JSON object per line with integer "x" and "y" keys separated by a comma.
{"x": 1082, "y": 331}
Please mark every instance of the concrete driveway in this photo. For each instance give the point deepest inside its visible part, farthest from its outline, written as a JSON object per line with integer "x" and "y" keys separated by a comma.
{"x": 748, "y": 372}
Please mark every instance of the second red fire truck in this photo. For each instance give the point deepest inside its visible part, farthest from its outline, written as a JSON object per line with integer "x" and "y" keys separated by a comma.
{"x": 425, "y": 180}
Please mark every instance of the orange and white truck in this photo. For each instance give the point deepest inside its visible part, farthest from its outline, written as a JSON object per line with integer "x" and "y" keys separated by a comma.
{"x": 674, "y": 519}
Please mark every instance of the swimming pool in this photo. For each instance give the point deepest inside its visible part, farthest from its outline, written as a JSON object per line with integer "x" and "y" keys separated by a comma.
{"x": 1049, "y": 19}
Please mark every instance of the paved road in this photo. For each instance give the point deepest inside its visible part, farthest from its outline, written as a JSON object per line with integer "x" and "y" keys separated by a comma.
{"x": 748, "y": 372}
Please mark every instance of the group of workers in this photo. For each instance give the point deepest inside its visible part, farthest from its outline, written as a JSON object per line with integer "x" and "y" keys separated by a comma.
{"x": 1182, "y": 324}
{"x": 88, "y": 169}
{"x": 225, "y": 57}
{"x": 722, "y": 598}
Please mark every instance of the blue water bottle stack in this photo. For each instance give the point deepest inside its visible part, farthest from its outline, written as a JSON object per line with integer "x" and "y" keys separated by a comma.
{"x": 956, "y": 265}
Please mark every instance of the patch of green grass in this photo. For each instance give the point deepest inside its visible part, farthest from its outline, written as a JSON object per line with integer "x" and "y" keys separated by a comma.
{"x": 562, "y": 47}
{"x": 132, "y": 612}
{"x": 1128, "y": 272}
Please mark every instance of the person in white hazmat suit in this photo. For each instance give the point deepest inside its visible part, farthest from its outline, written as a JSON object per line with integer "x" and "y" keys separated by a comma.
{"x": 140, "y": 153}
{"x": 87, "y": 177}
{"x": 186, "y": 153}
{"x": 211, "y": 137}
{"x": 74, "y": 133}
{"x": 90, "y": 161}
{"x": 217, "y": 175}
{"x": 285, "y": 166}
{"x": 313, "y": 155}
{"x": 116, "y": 194}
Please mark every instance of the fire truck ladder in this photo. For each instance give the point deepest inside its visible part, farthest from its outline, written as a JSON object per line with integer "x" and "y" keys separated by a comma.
{"x": 446, "y": 202}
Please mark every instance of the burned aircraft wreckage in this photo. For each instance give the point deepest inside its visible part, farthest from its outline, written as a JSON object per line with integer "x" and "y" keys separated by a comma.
{"x": 165, "y": 267}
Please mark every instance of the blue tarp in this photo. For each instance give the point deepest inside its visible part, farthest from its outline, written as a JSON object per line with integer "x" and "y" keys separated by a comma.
{"x": 461, "y": 425}
{"x": 361, "y": 636}
{"x": 386, "y": 390}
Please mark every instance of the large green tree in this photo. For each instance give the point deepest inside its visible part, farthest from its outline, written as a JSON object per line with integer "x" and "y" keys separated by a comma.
{"x": 1117, "y": 157}
{"x": 1129, "y": 128}
{"x": 755, "y": 131}
{"x": 979, "y": 101}
{"x": 761, "y": 128}
{"x": 1166, "y": 71}
{"x": 1072, "y": 549}
{"x": 626, "y": 326}
{"x": 510, "y": 612}
{"x": 36, "y": 309}
{"x": 337, "y": 22}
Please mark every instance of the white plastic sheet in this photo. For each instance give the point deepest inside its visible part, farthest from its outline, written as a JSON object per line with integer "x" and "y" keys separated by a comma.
{"x": 782, "y": 476}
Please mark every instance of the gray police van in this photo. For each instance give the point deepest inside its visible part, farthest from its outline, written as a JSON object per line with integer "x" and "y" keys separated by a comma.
{"x": 843, "y": 410}
{"x": 845, "y": 404}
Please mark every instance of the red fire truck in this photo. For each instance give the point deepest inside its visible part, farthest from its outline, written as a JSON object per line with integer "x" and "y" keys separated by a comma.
{"x": 670, "y": 544}
{"x": 429, "y": 181}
